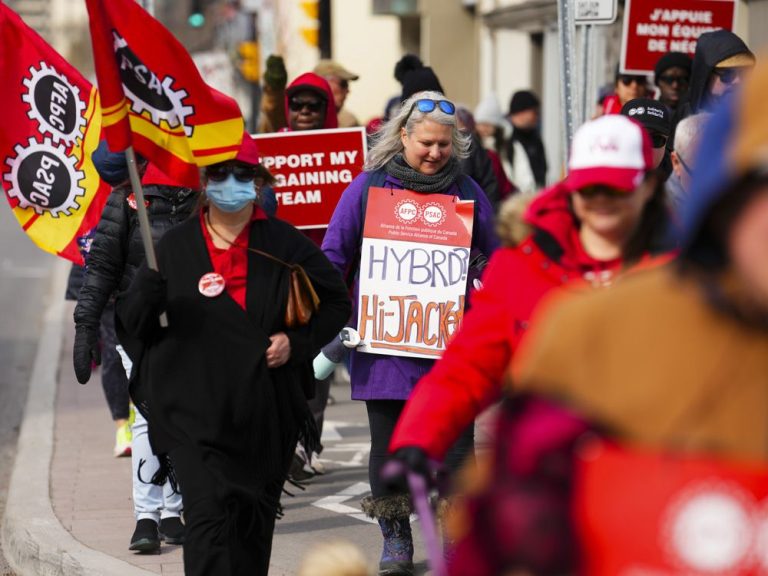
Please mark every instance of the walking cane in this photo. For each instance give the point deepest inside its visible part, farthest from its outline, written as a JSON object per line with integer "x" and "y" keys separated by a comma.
{"x": 418, "y": 487}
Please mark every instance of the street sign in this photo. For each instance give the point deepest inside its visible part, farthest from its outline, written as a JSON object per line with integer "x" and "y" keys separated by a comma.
{"x": 595, "y": 11}
{"x": 654, "y": 27}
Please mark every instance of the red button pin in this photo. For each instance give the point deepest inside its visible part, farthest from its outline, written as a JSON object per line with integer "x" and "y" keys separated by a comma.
{"x": 211, "y": 284}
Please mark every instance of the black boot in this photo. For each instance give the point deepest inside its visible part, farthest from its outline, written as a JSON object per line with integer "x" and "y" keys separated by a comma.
{"x": 145, "y": 538}
{"x": 392, "y": 514}
{"x": 172, "y": 530}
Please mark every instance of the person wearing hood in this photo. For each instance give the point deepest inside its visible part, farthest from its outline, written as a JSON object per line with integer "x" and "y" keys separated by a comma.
{"x": 672, "y": 75}
{"x": 524, "y": 157}
{"x": 606, "y": 217}
{"x": 223, "y": 384}
{"x": 477, "y": 165}
{"x": 720, "y": 63}
{"x": 670, "y": 368}
{"x": 310, "y": 105}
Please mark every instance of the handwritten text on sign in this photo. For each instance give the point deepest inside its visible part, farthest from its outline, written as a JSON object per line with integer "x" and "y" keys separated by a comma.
{"x": 413, "y": 271}
{"x": 655, "y": 27}
{"x": 311, "y": 169}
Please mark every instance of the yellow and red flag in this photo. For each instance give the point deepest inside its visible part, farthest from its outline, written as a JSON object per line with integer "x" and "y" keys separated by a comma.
{"x": 51, "y": 126}
{"x": 153, "y": 96}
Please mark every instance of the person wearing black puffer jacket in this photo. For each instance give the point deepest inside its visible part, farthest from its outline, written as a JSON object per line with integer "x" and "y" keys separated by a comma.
{"x": 115, "y": 255}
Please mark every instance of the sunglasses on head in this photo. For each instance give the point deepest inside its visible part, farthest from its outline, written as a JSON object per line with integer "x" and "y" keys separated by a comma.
{"x": 297, "y": 105}
{"x": 626, "y": 79}
{"x": 658, "y": 140}
{"x": 674, "y": 79}
{"x": 427, "y": 105}
{"x": 729, "y": 75}
{"x": 601, "y": 190}
{"x": 241, "y": 172}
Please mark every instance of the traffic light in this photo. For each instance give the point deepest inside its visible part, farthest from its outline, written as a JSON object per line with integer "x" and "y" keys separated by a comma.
{"x": 196, "y": 17}
{"x": 250, "y": 65}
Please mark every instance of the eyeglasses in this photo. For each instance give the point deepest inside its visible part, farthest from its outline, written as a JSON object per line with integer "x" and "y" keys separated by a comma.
{"x": 220, "y": 172}
{"x": 729, "y": 75}
{"x": 590, "y": 192}
{"x": 674, "y": 79}
{"x": 311, "y": 105}
{"x": 427, "y": 105}
{"x": 658, "y": 140}
{"x": 626, "y": 79}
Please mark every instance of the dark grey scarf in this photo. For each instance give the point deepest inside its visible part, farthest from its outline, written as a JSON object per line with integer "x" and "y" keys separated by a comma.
{"x": 418, "y": 182}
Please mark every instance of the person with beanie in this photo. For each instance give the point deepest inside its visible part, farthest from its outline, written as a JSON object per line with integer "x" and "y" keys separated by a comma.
{"x": 672, "y": 75}
{"x": 477, "y": 165}
{"x": 491, "y": 128}
{"x": 626, "y": 87}
{"x": 524, "y": 157}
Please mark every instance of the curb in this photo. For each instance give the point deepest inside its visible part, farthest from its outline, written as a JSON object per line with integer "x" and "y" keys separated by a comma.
{"x": 34, "y": 541}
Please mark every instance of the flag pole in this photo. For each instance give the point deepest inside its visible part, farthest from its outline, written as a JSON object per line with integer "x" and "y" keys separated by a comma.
{"x": 141, "y": 210}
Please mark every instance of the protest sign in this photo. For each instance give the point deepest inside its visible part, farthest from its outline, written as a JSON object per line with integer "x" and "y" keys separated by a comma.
{"x": 413, "y": 271}
{"x": 312, "y": 168}
{"x": 654, "y": 27}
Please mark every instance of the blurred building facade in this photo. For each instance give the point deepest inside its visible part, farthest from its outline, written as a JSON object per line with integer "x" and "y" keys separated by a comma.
{"x": 477, "y": 47}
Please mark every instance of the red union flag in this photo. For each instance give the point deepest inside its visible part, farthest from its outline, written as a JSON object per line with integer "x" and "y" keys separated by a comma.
{"x": 153, "y": 96}
{"x": 51, "y": 126}
{"x": 654, "y": 27}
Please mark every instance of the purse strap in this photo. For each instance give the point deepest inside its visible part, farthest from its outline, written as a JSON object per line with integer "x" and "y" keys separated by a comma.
{"x": 254, "y": 250}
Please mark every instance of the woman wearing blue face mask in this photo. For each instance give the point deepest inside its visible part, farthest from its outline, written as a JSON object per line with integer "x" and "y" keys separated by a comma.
{"x": 223, "y": 386}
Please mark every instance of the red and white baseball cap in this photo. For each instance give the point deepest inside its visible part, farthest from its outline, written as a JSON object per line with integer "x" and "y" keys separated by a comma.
{"x": 611, "y": 150}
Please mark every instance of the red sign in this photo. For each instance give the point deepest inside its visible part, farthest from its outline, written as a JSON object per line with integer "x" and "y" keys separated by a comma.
{"x": 413, "y": 272}
{"x": 649, "y": 513}
{"x": 654, "y": 27}
{"x": 312, "y": 169}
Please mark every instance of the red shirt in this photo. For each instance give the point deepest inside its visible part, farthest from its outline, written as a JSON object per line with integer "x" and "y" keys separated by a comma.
{"x": 232, "y": 262}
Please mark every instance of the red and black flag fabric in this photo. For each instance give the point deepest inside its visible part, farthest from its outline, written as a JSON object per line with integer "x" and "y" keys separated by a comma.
{"x": 153, "y": 96}
{"x": 51, "y": 126}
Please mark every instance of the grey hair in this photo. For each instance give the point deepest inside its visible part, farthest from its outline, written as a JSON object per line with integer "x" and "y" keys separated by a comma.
{"x": 387, "y": 143}
{"x": 687, "y": 134}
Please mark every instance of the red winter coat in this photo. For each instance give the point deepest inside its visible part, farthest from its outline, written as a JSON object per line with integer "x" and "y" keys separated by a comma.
{"x": 468, "y": 377}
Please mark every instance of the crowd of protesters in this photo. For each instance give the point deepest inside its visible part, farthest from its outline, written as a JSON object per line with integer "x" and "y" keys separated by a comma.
{"x": 611, "y": 308}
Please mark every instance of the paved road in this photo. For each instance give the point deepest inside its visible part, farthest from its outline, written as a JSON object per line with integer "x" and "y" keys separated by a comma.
{"x": 24, "y": 279}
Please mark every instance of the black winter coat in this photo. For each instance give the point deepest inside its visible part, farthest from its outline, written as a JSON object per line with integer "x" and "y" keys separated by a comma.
{"x": 203, "y": 381}
{"x": 117, "y": 250}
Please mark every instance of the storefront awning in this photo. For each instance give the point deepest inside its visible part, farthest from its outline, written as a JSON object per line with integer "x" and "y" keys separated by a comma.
{"x": 533, "y": 15}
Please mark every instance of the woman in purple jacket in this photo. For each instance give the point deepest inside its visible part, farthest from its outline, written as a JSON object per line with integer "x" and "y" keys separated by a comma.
{"x": 419, "y": 149}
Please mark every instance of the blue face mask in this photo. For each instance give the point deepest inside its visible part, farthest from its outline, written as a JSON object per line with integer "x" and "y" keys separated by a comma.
{"x": 230, "y": 195}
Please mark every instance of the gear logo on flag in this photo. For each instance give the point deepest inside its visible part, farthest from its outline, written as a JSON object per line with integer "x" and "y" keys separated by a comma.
{"x": 55, "y": 104}
{"x": 43, "y": 177}
{"x": 148, "y": 93}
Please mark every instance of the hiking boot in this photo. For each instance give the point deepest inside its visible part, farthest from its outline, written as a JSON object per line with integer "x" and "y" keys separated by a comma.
{"x": 172, "y": 530}
{"x": 146, "y": 537}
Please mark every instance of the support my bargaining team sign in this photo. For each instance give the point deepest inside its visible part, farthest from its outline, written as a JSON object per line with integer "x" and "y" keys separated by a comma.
{"x": 413, "y": 271}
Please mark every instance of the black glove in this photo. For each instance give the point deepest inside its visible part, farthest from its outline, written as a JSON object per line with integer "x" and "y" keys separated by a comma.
{"x": 86, "y": 351}
{"x": 152, "y": 286}
{"x": 275, "y": 76}
{"x": 407, "y": 459}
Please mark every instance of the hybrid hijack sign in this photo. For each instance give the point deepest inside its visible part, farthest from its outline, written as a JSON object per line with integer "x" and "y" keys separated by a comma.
{"x": 413, "y": 271}
{"x": 654, "y": 27}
